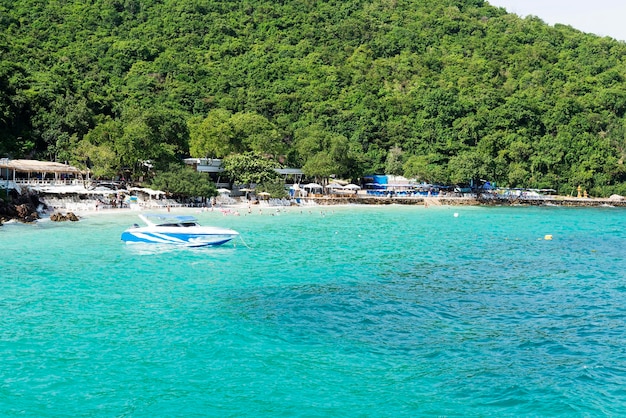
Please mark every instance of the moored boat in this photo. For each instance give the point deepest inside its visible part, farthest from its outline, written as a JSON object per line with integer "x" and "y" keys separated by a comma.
{"x": 177, "y": 230}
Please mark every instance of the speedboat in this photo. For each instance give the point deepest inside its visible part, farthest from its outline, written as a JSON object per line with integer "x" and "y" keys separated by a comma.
{"x": 177, "y": 230}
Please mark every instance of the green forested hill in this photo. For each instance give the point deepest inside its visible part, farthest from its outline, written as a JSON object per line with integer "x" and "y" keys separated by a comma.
{"x": 445, "y": 90}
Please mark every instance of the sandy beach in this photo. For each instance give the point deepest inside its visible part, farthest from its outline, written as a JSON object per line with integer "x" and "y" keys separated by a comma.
{"x": 269, "y": 207}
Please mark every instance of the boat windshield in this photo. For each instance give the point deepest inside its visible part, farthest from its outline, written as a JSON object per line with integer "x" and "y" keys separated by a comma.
{"x": 180, "y": 224}
{"x": 176, "y": 221}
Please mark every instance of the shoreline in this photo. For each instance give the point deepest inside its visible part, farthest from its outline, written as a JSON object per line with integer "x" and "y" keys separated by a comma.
{"x": 240, "y": 208}
{"x": 313, "y": 202}
{"x": 354, "y": 200}
{"x": 472, "y": 201}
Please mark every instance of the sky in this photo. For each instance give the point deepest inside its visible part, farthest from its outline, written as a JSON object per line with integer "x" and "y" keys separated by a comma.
{"x": 602, "y": 17}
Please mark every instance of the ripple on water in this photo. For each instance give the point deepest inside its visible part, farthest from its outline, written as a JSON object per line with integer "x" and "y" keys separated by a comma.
{"x": 359, "y": 311}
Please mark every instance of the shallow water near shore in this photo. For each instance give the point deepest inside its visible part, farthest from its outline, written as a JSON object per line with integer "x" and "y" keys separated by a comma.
{"x": 320, "y": 311}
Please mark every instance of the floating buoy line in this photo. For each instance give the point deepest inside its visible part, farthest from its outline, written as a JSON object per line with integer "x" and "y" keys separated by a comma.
{"x": 244, "y": 242}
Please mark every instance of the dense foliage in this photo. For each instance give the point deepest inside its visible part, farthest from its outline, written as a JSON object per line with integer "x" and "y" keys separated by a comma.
{"x": 445, "y": 90}
{"x": 249, "y": 169}
{"x": 184, "y": 182}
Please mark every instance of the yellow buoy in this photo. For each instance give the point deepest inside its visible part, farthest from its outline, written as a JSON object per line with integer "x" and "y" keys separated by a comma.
{"x": 548, "y": 237}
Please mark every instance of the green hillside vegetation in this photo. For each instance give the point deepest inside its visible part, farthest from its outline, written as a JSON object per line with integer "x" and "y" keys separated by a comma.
{"x": 442, "y": 90}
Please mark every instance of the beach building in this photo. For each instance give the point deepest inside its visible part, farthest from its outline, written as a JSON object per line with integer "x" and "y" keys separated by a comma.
{"x": 213, "y": 166}
{"x": 64, "y": 187}
{"x": 20, "y": 175}
{"x": 383, "y": 185}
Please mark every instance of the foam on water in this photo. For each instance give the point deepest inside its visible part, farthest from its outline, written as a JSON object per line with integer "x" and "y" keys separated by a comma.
{"x": 359, "y": 311}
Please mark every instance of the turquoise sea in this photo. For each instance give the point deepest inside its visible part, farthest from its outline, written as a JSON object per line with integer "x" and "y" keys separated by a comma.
{"x": 359, "y": 311}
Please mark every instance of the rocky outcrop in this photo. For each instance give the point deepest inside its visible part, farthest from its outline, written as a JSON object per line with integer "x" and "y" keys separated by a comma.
{"x": 22, "y": 208}
{"x": 59, "y": 217}
{"x": 26, "y": 212}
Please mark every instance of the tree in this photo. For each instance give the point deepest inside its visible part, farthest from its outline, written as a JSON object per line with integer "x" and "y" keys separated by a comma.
{"x": 276, "y": 188}
{"x": 222, "y": 133}
{"x": 213, "y": 136}
{"x": 427, "y": 168}
{"x": 256, "y": 134}
{"x": 321, "y": 165}
{"x": 206, "y": 78}
{"x": 393, "y": 165}
{"x": 156, "y": 135}
{"x": 250, "y": 168}
{"x": 324, "y": 153}
{"x": 184, "y": 182}
{"x": 467, "y": 166}
{"x": 66, "y": 118}
{"x": 99, "y": 147}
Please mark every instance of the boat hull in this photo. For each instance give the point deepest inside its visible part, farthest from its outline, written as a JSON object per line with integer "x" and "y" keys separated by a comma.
{"x": 187, "y": 238}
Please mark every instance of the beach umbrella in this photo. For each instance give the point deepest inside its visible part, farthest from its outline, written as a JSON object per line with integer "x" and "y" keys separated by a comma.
{"x": 223, "y": 191}
{"x": 352, "y": 187}
{"x": 312, "y": 186}
{"x": 334, "y": 186}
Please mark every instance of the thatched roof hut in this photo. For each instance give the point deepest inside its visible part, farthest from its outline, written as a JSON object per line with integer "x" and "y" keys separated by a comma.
{"x": 34, "y": 166}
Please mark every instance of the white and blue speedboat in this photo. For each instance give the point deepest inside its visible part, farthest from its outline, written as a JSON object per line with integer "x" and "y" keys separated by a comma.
{"x": 177, "y": 230}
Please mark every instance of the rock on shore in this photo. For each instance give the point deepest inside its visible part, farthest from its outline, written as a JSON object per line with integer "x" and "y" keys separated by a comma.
{"x": 59, "y": 217}
{"x": 22, "y": 208}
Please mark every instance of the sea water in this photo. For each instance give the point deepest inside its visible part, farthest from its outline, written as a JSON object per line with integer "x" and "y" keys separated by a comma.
{"x": 320, "y": 312}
